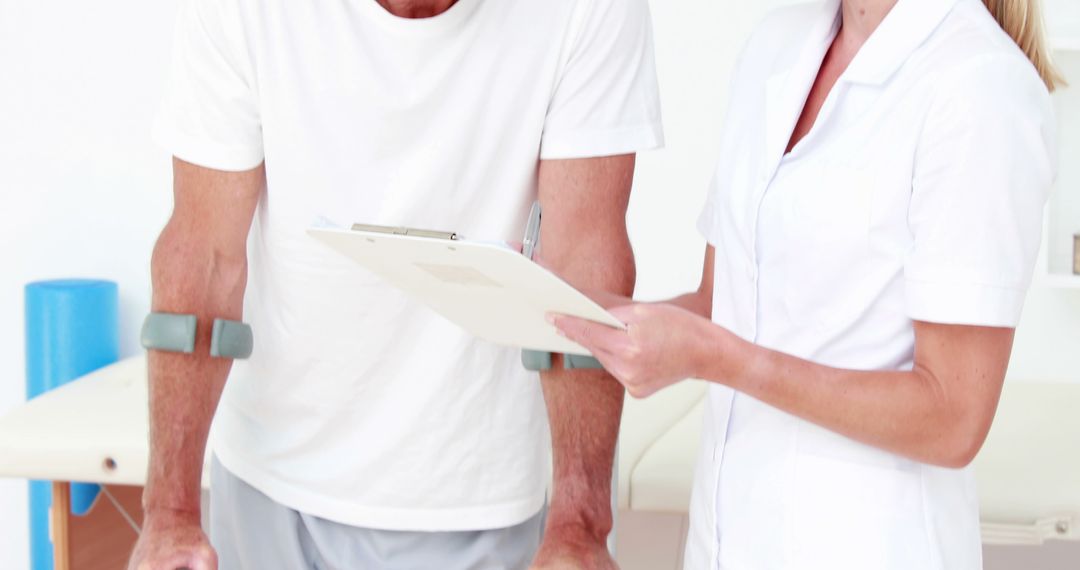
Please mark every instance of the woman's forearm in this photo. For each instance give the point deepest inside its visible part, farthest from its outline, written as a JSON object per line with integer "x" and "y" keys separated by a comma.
{"x": 910, "y": 413}
{"x": 698, "y": 302}
{"x": 939, "y": 412}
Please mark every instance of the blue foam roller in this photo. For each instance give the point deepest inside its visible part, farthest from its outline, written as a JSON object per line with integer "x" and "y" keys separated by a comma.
{"x": 71, "y": 330}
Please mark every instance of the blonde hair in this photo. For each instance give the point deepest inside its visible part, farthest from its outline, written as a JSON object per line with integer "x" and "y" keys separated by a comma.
{"x": 1022, "y": 20}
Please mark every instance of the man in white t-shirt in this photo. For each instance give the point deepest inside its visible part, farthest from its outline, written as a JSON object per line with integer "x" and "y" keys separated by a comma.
{"x": 365, "y": 431}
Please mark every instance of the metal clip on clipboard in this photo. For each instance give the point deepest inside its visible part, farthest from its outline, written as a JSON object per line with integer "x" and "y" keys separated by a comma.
{"x": 402, "y": 231}
{"x": 535, "y": 359}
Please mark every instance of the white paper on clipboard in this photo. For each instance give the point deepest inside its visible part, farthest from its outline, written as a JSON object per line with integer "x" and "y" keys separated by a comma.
{"x": 489, "y": 290}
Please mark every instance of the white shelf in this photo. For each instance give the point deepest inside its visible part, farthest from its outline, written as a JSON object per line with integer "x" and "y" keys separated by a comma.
{"x": 1061, "y": 281}
{"x": 1063, "y": 211}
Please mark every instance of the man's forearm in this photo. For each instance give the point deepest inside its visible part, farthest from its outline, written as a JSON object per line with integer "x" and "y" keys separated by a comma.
{"x": 191, "y": 277}
{"x": 585, "y": 407}
{"x": 584, "y": 240}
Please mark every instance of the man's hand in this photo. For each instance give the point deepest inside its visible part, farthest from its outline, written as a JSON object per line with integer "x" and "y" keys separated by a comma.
{"x": 171, "y": 540}
{"x": 567, "y": 548}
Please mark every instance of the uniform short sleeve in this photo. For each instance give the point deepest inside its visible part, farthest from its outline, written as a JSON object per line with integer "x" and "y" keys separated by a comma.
{"x": 731, "y": 137}
{"x": 983, "y": 169}
{"x": 606, "y": 100}
{"x": 210, "y": 116}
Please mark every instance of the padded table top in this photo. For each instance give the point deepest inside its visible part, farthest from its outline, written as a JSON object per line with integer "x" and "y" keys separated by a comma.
{"x": 94, "y": 430}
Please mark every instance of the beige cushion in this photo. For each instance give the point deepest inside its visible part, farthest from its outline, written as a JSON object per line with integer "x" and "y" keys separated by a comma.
{"x": 1029, "y": 468}
{"x": 646, "y": 421}
{"x": 662, "y": 480}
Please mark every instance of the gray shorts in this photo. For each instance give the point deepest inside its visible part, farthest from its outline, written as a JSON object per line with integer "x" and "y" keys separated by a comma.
{"x": 252, "y": 532}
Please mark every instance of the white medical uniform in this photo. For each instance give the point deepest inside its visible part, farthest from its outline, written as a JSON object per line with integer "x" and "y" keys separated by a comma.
{"x": 917, "y": 195}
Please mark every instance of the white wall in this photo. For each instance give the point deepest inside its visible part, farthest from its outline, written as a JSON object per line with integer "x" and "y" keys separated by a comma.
{"x": 83, "y": 191}
{"x": 1062, "y": 18}
{"x": 696, "y": 45}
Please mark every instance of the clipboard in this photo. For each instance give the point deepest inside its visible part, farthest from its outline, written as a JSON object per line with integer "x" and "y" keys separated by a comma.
{"x": 487, "y": 289}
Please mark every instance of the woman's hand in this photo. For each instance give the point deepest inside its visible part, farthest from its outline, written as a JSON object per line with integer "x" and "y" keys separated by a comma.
{"x": 661, "y": 345}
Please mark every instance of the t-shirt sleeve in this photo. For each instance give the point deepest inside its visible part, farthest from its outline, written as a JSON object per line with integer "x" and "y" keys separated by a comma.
{"x": 606, "y": 101}
{"x": 983, "y": 169}
{"x": 210, "y": 115}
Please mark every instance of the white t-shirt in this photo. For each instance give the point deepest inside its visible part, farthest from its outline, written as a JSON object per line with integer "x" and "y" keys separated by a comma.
{"x": 917, "y": 195}
{"x": 359, "y": 405}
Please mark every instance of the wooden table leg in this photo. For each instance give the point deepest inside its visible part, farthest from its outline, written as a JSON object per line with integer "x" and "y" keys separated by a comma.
{"x": 59, "y": 516}
{"x": 102, "y": 539}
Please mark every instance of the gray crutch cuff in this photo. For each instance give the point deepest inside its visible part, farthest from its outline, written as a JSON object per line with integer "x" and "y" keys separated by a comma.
{"x": 172, "y": 332}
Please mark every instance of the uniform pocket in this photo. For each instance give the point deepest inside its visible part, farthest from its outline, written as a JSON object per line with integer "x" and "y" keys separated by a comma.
{"x": 855, "y": 516}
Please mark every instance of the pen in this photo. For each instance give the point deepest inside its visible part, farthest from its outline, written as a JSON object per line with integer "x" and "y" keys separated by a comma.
{"x": 532, "y": 231}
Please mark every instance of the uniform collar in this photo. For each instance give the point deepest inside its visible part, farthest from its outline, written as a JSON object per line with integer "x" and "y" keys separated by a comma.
{"x": 787, "y": 87}
{"x": 902, "y": 31}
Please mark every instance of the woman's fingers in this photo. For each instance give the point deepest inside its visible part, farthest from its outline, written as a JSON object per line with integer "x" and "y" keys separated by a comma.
{"x": 616, "y": 351}
{"x": 593, "y": 336}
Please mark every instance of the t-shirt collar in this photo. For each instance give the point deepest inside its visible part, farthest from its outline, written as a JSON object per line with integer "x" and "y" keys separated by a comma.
{"x": 450, "y": 20}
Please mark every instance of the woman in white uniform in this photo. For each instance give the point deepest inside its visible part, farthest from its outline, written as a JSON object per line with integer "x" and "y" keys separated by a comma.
{"x": 872, "y": 226}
